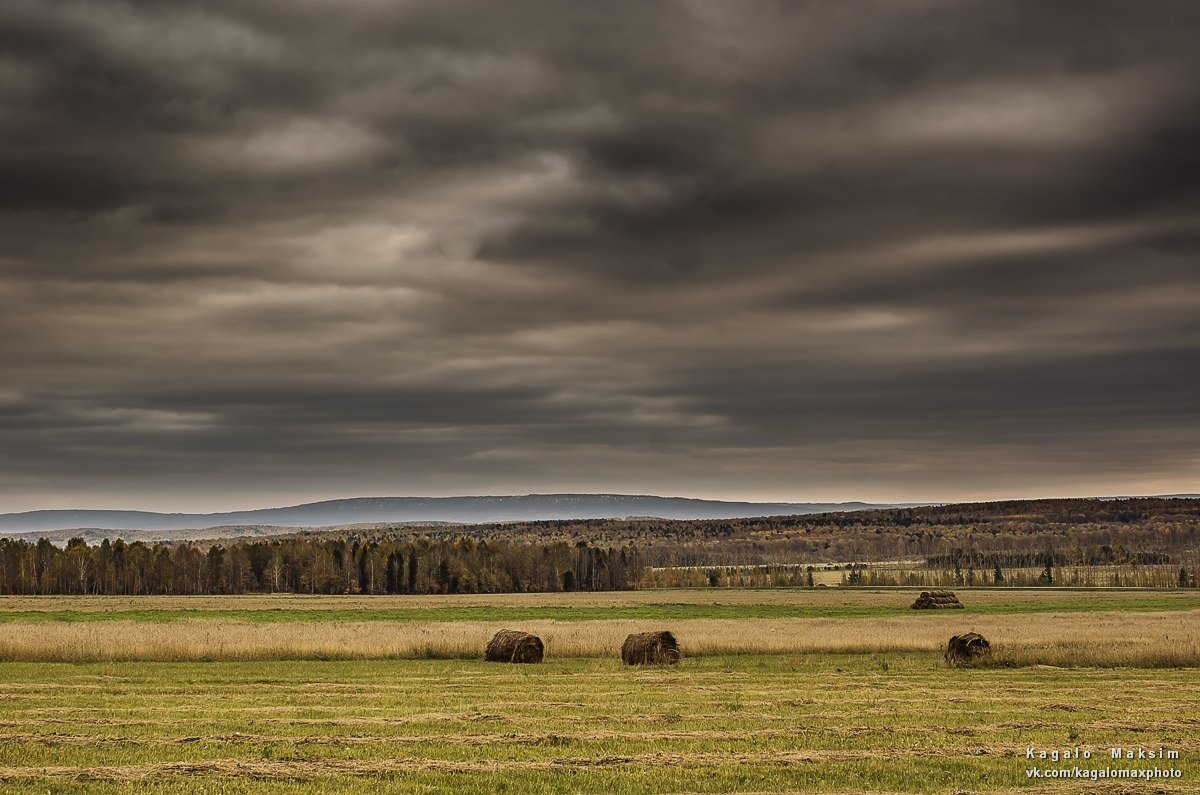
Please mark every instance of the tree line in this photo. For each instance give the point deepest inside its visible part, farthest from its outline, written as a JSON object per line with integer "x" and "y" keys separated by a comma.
{"x": 1100, "y": 555}
{"x": 313, "y": 566}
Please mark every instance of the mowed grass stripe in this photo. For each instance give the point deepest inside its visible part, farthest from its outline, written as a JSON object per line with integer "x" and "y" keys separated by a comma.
{"x": 626, "y": 774}
{"x": 982, "y": 768}
{"x": 298, "y": 768}
{"x": 987, "y": 738}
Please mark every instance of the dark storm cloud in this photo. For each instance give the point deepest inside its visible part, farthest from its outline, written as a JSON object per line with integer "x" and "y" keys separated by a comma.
{"x": 898, "y": 250}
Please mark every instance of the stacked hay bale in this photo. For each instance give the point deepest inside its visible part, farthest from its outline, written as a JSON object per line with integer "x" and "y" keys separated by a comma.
{"x": 967, "y": 648}
{"x": 509, "y": 645}
{"x": 937, "y": 600}
{"x": 650, "y": 648}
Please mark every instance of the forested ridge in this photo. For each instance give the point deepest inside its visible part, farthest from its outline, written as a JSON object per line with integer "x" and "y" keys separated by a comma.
{"x": 614, "y": 554}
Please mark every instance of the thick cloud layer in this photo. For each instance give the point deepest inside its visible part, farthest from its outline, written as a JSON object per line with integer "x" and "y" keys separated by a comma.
{"x": 259, "y": 252}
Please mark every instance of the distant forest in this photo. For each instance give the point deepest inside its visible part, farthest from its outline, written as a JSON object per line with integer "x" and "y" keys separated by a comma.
{"x": 1041, "y": 542}
{"x": 313, "y": 566}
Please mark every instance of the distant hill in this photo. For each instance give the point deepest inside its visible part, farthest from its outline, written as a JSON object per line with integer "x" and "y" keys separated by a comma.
{"x": 95, "y": 535}
{"x": 465, "y": 510}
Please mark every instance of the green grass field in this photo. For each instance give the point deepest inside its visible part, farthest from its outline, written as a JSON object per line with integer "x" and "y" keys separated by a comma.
{"x": 584, "y": 613}
{"x": 634, "y": 605}
{"x": 805, "y": 721}
{"x": 811, "y": 723}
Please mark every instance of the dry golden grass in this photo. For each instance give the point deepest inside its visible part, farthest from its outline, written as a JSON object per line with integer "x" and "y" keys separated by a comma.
{"x": 1114, "y": 638}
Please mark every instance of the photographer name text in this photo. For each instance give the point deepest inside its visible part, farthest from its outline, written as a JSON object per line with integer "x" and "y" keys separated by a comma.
{"x": 1078, "y": 752}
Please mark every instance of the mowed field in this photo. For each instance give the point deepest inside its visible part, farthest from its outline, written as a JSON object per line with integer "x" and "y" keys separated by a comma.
{"x": 778, "y": 691}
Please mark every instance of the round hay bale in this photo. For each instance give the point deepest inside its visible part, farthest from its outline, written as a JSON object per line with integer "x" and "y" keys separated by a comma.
{"x": 510, "y": 645}
{"x": 650, "y": 648}
{"x": 967, "y": 648}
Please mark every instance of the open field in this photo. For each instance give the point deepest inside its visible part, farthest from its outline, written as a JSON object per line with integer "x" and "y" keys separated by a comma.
{"x": 1100, "y": 638}
{"x": 736, "y": 603}
{"x": 779, "y": 691}
{"x": 1140, "y": 627}
{"x": 895, "y": 722}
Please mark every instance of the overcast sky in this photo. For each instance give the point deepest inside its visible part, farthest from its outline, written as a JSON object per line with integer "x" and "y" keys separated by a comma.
{"x": 272, "y": 251}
